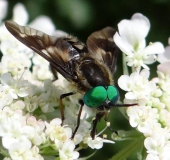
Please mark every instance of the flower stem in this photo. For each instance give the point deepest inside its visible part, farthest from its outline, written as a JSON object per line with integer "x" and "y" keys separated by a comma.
{"x": 125, "y": 69}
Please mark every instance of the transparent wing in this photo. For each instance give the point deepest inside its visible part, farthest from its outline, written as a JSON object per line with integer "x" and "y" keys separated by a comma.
{"x": 62, "y": 53}
{"x": 100, "y": 44}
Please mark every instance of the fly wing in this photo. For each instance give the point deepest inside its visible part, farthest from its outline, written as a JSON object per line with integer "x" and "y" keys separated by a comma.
{"x": 100, "y": 44}
{"x": 62, "y": 53}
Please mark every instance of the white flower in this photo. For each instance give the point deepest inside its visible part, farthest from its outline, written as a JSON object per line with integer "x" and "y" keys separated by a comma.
{"x": 20, "y": 149}
{"x": 142, "y": 117}
{"x": 35, "y": 153}
{"x": 16, "y": 63}
{"x": 42, "y": 72}
{"x": 31, "y": 103}
{"x": 158, "y": 144}
{"x": 39, "y": 125}
{"x": 8, "y": 142}
{"x": 131, "y": 41}
{"x": 25, "y": 136}
{"x": 137, "y": 85}
{"x": 18, "y": 105}
{"x": 9, "y": 115}
{"x": 95, "y": 143}
{"x": 57, "y": 133}
{"x": 37, "y": 135}
{"x": 15, "y": 130}
{"x": 66, "y": 152}
{"x": 14, "y": 87}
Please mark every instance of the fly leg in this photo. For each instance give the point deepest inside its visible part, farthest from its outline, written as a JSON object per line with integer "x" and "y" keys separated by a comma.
{"x": 116, "y": 105}
{"x": 108, "y": 125}
{"x": 95, "y": 121}
{"x": 123, "y": 105}
{"x": 53, "y": 70}
{"x": 78, "y": 118}
{"x": 61, "y": 104}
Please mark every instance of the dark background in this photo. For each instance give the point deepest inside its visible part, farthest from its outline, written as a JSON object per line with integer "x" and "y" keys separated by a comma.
{"x": 82, "y": 17}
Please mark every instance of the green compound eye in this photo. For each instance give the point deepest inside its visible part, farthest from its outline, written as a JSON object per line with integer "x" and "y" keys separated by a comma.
{"x": 112, "y": 94}
{"x": 95, "y": 96}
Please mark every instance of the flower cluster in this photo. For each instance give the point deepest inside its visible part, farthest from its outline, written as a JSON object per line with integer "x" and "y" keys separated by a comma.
{"x": 152, "y": 115}
{"x": 131, "y": 41}
{"x": 30, "y": 124}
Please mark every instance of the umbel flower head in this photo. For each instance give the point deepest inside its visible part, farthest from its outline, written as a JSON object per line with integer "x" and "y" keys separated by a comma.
{"x": 152, "y": 117}
{"x": 30, "y": 124}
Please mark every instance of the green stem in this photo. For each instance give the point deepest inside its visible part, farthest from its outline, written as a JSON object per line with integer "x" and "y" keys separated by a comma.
{"x": 128, "y": 150}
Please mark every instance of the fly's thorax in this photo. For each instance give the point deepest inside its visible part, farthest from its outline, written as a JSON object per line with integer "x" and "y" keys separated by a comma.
{"x": 91, "y": 72}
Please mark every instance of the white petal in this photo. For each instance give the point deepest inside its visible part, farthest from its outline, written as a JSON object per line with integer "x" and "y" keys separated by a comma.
{"x": 145, "y": 66}
{"x": 6, "y": 78}
{"x": 143, "y": 23}
{"x": 59, "y": 33}
{"x": 28, "y": 131}
{"x": 165, "y": 56}
{"x": 56, "y": 122}
{"x": 122, "y": 44}
{"x": 3, "y": 9}
{"x": 23, "y": 92}
{"x": 44, "y": 24}
{"x": 68, "y": 145}
{"x": 133, "y": 120}
{"x": 130, "y": 95}
{"x": 97, "y": 143}
{"x": 75, "y": 155}
{"x": 108, "y": 141}
{"x": 154, "y": 48}
{"x": 20, "y": 14}
{"x": 164, "y": 67}
{"x": 145, "y": 73}
{"x": 7, "y": 141}
{"x": 2, "y": 103}
{"x": 150, "y": 59}
{"x": 45, "y": 108}
{"x": 135, "y": 30}
{"x": 150, "y": 145}
{"x": 126, "y": 31}
{"x": 123, "y": 82}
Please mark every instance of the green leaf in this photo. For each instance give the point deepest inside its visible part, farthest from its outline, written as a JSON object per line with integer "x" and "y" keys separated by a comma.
{"x": 49, "y": 157}
{"x": 133, "y": 147}
{"x": 126, "y": 135}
